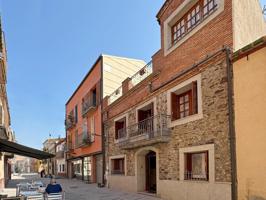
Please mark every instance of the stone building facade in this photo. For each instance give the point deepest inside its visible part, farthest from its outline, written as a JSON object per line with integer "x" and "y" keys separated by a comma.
{"x": 170, "y": 133}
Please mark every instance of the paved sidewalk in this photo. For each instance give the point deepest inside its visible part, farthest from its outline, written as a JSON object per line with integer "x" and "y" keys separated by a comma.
{"x": 77, "y": 190}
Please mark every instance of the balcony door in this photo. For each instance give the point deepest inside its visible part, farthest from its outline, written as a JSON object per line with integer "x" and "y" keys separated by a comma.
{"x": 145, "y": 120}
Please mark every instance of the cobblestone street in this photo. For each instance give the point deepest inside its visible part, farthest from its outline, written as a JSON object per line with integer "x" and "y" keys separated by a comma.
{"x": 77, "y": 190}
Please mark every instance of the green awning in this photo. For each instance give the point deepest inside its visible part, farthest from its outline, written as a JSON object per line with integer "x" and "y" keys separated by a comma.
{"x": 12, "y": 147}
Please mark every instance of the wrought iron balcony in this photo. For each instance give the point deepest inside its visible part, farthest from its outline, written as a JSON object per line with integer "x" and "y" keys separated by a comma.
{"x": 70, "y": 122}
{"x": 84, "y": 139}
{"x": 88, "y": 105}
{"x": 149, "y": 131}
{"x": 135, "y": 79}
{"x": 115, "y": 95}
{"x": 142, "y": 74}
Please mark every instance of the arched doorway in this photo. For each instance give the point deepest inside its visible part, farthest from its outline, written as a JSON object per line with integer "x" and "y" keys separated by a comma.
{"x": 146, "y": 170}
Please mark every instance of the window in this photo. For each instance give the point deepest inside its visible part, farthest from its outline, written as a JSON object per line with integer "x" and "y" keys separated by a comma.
{"x": 69, "y": 142}
{"x": 63, "y": 167}
{"x": 193, "y": 17}
{"x": 208, "y": 7}
{"x": 120, "y": 128}
{"x": 196, "y": 166}
{"x": 118, "y": 166}
{"x": 94, "y": 96}
{"x": 184, "y": 101}
{"x": 84, "y": 130}
{"x": 178, "y": 31}
{"x": 76, "y": 139}
{"x": 76, "y": 114}
{"x": 92, "y": 129}
{"x": 201, "y": 10}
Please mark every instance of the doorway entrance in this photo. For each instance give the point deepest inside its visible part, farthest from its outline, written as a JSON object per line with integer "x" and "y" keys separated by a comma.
{"x": 151, "y": 172}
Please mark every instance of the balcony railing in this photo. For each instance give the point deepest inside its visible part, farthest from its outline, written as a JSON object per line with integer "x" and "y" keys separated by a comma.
{"x": 135, "y": 79}
{"x": 149, "y": 131}
{"x": 88, "y": 105}
{"x": 115, "y": 95}
{"x": 142, "y": 74}
{"x": 117, "y": 172}
{"x": 69, "y": 122}
{"x": 188, "y": 175}
{"x": 122, "y": 133}
{"x": 84, "y": 139}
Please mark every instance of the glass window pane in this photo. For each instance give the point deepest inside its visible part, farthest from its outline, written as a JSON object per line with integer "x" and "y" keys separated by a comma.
{"x": 181, "y": 108}
{"x": 199, "y": 165}
{"x": 187, "y": 106}
{"x": 186, "y": 98}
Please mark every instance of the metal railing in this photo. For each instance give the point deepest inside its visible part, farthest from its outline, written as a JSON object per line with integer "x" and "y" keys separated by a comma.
{"x": 121, "y": 133}
{"x": 69, "y": 122}
{"x": 84, "y": 139}
{"x": 188, "y": 175}
{"x": 142, "y": 74}
{"x": 88, "y": 104}
{"x": 116, "y": 172}
{"x": 135, "y": 79}
{"x": 115, "y": 95}
{"x": 152, "y": 127}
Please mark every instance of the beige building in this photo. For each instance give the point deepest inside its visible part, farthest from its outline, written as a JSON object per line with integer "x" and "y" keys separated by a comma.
{"x": 250, "y": 121}
{"x": 49, "y": 146}
{"x": 6, "y": 132}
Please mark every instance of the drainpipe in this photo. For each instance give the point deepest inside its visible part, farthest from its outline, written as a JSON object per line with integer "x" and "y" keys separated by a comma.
{"x": 102, "y": 127}
{"x": 232, "y": 136}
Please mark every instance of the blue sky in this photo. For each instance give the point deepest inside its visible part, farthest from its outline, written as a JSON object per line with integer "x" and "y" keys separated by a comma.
{"x": 53, "y": 43}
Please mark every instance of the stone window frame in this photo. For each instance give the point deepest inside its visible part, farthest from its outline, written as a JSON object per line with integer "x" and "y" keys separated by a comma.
{"x": 194, "y": 149}
{"x": 190, "y": 118}
{"x": 118, "y": 157}
{"x": 126, "y": 115}
{"x": 176, "y": 16}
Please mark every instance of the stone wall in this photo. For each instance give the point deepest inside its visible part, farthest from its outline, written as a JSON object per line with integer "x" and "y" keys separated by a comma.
{"x": 211, "y": 129}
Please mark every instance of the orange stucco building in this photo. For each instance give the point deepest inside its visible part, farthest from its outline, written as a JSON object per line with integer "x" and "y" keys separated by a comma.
{"x": 83, "y": 115}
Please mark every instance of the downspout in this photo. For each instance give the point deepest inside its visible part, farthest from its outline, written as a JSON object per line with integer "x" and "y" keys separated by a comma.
{"x": 103, "y": 138}
{"x": 232, "y": 137}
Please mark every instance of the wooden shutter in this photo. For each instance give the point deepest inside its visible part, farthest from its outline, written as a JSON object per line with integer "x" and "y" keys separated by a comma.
{"x": 174, "y": 106}
{"x": 189, "y": 162}
{"x": 98, "y": 92}
{"x": 194, "y": 98}
{"x": 207, "y": 165}
{"x": 116, "y": 129}
{"x": 1, "y": 115}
